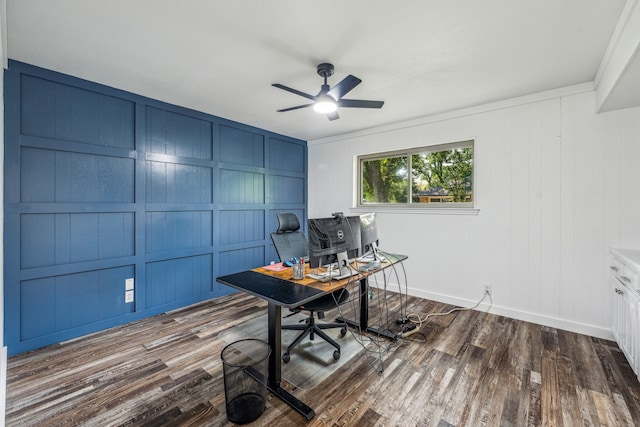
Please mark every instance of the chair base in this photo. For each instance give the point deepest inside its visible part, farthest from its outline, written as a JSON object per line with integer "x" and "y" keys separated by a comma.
{"x": 311, "y": 329}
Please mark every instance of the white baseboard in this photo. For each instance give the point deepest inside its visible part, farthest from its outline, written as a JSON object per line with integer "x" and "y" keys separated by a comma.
{"x": 3, "y": 384}
{"x": 540, "y": 319}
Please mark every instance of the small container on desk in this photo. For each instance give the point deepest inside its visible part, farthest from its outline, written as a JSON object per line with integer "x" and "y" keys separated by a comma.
{"x": 298, "y": 271}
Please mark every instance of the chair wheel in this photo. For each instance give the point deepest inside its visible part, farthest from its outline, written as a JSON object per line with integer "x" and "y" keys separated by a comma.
{"x": 286, "y": 357}
{"x": 343, "y": 332}
{"x": 336, "y": 355}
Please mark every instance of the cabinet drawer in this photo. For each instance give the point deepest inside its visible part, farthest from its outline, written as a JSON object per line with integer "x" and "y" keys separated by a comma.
{"x": 628, "y": 276}
{"x": 633, "y": 278}
{"x": 617, "y": 267}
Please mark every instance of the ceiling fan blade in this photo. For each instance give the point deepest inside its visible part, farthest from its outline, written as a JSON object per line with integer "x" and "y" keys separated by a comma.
{"x": 358, "y": 103}
{"x": 297, "y": 92}
{"x": 333, "y": 116}
{"x": 342, "y": 88}
{"x": 295, "y": 108}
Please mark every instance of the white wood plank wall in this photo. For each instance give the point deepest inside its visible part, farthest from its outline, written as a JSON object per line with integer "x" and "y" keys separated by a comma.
{"x": 556, "y": 186}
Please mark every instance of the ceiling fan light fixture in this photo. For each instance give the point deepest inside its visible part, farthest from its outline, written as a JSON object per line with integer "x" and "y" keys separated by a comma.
{"x": 325, "y": 105}
{"x": 330, "y": 98}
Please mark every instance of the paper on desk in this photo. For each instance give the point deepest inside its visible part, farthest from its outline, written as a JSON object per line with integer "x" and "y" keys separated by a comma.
{"x": 275, "y": 267}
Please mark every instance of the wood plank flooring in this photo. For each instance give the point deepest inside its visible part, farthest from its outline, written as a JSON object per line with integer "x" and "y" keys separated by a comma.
{"x": 469, "y": 368}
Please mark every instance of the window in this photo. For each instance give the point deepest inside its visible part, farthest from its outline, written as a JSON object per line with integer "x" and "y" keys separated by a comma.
{"x": 429, "y": 177}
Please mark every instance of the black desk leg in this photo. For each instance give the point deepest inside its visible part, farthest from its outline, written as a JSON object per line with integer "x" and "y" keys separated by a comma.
{"x": 274, "y": 327}
{"x": 274, "y": 315}
{"x": 364, "y": 314}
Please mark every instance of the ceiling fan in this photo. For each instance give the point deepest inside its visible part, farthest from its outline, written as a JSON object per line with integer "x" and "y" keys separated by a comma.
{"x": 329, "y": 99}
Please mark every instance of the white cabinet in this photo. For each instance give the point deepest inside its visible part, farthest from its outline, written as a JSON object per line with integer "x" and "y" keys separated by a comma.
{"x": 624, "y": 321}
{"x": 625, "y": 300}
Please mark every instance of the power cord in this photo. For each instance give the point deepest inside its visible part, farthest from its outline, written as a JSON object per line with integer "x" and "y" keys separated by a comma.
{"x": 411, "y": 322}
{"x": 420, "y": 321}
{"x": 375, "y": 346}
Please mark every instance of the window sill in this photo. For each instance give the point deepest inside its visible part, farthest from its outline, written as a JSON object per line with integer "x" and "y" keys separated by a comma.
{"x": 417, "y": 210}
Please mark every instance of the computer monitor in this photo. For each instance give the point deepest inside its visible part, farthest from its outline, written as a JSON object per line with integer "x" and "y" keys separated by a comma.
{"x": 369, "y": 235}
{"x": 336, "y": 238}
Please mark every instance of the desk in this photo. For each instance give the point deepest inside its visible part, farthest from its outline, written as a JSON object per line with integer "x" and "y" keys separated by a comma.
{"x": 280, "y": 290}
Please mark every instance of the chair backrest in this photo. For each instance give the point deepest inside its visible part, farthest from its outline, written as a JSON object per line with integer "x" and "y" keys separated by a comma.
{"x": 288, "y": 240}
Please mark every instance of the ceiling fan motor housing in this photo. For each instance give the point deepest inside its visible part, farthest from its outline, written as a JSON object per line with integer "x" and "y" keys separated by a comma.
{"x": 325, "y": 70}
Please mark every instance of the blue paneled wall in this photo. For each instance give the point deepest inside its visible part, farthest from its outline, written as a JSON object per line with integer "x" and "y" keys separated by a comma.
{"x": 102, "y": 186}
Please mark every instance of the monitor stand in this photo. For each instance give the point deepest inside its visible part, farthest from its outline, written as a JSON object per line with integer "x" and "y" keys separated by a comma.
{"x": 343, "y": 264}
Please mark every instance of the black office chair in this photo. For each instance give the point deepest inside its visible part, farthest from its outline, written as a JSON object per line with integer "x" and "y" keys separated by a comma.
{"x": 290, "y": 242}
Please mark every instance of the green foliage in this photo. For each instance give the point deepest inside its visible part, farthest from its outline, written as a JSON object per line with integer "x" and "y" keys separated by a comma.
{"x": 385, "y": 180}
{"x": 449, "y": 172}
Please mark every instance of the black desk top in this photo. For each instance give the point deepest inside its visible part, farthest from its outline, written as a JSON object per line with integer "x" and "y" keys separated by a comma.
{"x": 281, "y": 292}
{"x": 287, "y": 293}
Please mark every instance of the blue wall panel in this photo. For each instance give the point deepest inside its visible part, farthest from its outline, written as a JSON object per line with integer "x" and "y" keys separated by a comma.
{"x": 241, "y": 259}
{"x": 38, "y": 315}
{"x": 239, "y": 226}
{"x": 178, "y": 135}
{"x": 239, "y": 187}
{"x": 60, "y": 111}
{"x": 176, "y": 183}
{"x": 178, "y": 230}
{"x": 103, "y": 185}
{"x": 54, "y": 239}
{"x": 241, "y": 147}
{"x": 178, "y": 279}
{"x": 55, "y": 304}
{"x": 286, "y": 156}
{"x": 288, "y": 190}
{"x": 49, "y": 176}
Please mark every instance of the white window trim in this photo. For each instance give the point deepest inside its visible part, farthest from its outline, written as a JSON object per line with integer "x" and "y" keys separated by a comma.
{"x": 413, "y": 208}
{"x": 404, "y": 209}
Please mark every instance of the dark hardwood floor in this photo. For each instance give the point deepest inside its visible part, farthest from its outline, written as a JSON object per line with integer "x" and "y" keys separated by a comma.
{"x": 469, "y": 368}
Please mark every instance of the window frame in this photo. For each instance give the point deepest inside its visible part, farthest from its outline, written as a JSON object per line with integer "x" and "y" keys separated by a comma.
{"x": 434, "y": 207}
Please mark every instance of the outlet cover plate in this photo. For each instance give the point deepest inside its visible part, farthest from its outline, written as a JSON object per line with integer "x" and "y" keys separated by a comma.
{"x": 128, "y": 296}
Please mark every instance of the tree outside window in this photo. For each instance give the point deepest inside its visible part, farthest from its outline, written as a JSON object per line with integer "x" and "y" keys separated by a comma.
{"x": 439, "y": 176}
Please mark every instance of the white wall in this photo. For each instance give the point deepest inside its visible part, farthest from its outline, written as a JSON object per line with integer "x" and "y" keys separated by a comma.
{"x": 556, "y": 186}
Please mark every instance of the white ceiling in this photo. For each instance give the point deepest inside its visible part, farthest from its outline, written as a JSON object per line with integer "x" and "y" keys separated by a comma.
{"x": 421, "y": 57}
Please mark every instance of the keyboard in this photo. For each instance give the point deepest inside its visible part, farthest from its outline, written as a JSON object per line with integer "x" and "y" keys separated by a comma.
{"x": 329, "y": 275}
{"x": 370, "y": 266}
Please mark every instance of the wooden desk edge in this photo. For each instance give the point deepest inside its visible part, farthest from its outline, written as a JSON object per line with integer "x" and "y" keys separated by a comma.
{"x": 332, "y": 285}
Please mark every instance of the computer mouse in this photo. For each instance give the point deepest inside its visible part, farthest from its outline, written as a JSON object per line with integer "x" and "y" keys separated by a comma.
{"x": 287, "y": 264}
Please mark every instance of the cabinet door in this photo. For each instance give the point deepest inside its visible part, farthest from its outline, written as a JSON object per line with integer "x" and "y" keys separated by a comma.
{"x": 634, "y": 331}
{"x": 630, "y": 316}
{"x": 625, "y": 305}
{"x": 625, "y": 322}
{"x": 616, "y": 311}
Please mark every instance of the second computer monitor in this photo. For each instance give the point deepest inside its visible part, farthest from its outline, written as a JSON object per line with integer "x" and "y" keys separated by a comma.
{"x": 368, "y": 232}
{"x": 369, "y": 238}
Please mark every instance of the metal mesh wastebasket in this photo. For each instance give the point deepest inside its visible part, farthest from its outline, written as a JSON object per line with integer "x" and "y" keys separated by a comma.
{"x": 245, "y": 365}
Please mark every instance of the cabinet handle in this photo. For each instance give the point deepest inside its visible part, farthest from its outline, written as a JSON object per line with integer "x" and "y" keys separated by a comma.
{"x": 613, "y": 267}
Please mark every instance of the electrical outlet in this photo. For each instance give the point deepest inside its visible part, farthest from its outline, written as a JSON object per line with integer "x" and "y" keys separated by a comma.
{"x": 128, "y": 296}
{"x": 486, "y": 288}
{"x": 128, "y": 284}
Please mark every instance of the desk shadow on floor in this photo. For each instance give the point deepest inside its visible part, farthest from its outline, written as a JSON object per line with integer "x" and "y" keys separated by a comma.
{"x": 311, "y": 361}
